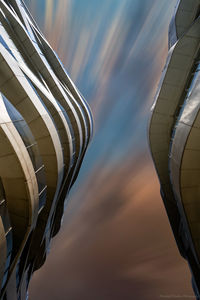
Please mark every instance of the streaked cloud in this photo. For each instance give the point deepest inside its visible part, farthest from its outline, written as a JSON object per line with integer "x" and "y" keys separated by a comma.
{"x": 48, "y": 16}
{"x": 116, "y": 242}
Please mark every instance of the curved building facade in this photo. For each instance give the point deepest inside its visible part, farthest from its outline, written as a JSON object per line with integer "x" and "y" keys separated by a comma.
{"x": 174, "y": 133}
{"x": 45, "y": 128}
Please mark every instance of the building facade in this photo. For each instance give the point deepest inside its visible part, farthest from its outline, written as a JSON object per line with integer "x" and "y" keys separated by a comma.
{"x": 174, "y": 133}
{"x": 45, "y": 128}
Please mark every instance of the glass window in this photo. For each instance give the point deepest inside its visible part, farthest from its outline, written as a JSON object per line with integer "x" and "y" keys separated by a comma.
{"x": 192, "y": 83}
{"x": 4, "y": 279}
{"x": 35, "y": 156}
{"x": 41, "y": 178}
{"x": 9, "y": 241}
{"x": 5, "y": 217}
{"x": 7, "y": 263}
{"x": 42, "y": 197}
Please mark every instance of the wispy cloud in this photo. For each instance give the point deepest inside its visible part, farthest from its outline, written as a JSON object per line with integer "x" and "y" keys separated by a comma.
{"x": 116, "y": 242}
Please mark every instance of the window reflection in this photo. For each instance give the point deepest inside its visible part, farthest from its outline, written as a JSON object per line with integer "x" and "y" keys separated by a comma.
{"x": 194, "y": 76}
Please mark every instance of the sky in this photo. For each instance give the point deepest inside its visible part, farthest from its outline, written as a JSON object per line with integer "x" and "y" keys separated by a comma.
{"x": 116, "y": 241}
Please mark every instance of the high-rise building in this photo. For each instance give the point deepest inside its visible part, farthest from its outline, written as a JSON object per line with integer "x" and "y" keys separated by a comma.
{"x": 174, "y": 133}
{"x": 45, "y": 128}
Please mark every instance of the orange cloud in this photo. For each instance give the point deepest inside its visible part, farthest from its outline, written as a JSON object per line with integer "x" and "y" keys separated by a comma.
{"x": 117, "y": 244}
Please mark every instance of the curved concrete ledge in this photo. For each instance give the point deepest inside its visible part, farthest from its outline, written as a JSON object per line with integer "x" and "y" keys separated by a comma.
{"x": 32, "y": 50}
{"x": 14, "y": 152}
{"x": 174, "y": 133}
{"x": 184, "y": 15}
{"x": 170, "y": 96}
{"x": 45, "y": 149}
{"x": 20, "y": 184}
{"x": 184, "y": 167}
{"x": 65, "y": 80}
{"x": 20, "y": 93}
{"x": 56, "y": 65}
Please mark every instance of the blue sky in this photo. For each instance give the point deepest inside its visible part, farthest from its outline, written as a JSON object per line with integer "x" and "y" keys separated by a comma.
{"x": 114, "y": 51}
